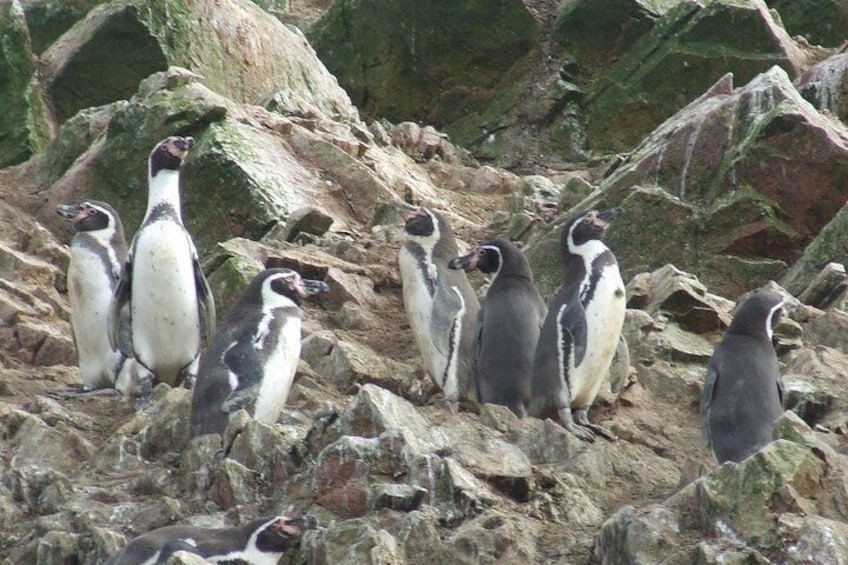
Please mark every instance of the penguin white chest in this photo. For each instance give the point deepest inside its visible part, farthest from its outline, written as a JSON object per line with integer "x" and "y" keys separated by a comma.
{"x": 280, "y": 364}
{"x": 166, "y": 318}
{"x": 90, "y": 288}
{"x": 604, "y": 320}
{"x": 418, "y": 302}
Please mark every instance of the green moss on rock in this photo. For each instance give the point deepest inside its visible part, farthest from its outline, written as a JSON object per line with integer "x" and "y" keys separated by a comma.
{"x": 822, "y": 22}
{"x": 830, "y": 245}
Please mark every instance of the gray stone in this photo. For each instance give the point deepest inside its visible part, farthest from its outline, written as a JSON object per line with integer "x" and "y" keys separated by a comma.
{"x": 648, "y": 536}
{"x": 497, "y": 537}
{"x": 826, "y": 287}
{"x": 233, "y": 484}
{"x": 163, "y": 511}
{"x": 307, "y": 220}
{"x": 403, "y": 498}
{"x": 265, "y": 451}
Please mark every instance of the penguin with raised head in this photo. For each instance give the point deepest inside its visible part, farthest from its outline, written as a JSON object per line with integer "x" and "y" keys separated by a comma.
{"x": 98, "y": 252}
{"x": 743, "y": 391}
{"x": 507, "y": 326}
{"x": 440, "y": 303}
{"x": 252, "y": 360}
{"x": 582, "y": 329}
{"x": 170, "y": 302}
{"x": 259, "y": 542}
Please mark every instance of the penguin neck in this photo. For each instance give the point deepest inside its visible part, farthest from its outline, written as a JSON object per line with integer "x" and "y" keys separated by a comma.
{"x": 164, "y": 188}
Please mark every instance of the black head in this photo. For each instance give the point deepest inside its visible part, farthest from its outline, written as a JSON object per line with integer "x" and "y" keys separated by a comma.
{"x": 494, "y": 257}
{"x": 587, "y": 226}
{"x": 421, "y": 223}
{"x": 169, "y": 154}
{"x": 287, "y": 283}
{"x": 90, "y": 215}
{"x": 282, "y": 532}
{"x": 758, "y": 315}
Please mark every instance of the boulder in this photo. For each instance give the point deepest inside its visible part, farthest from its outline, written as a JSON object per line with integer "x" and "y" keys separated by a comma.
{"x": 424, "y": 61}
{"x": 824, "y": 84}
{"x": 691, "y": 46}
{"x": 822, "y": 23}
{"x": 828, "y": 246}
{"x": 47, "y": 20}
{"x": 494, "y": 537}
{"x": 26, "y": 130}
{"x": 130, "y": 40}
{"x": 650, "y": 535}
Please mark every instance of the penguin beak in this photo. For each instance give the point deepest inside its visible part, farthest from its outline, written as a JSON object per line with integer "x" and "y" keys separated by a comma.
{"x": 292, "y": 526}
{"x": 464, "y": 262}
{"x": 611, "y": 214}
{"x": 418, "y": 213}
{"x": 73, "y": 212}
{"x": 310, "y": 287}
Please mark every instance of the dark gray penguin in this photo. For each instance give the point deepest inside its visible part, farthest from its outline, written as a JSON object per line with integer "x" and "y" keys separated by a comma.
{"x": 743, "y": 392}
{"x": 583, "y": 327}
{"x": 252, "y": 360}
{"x": 260, "y": 542}
{"x": 98, "y": 252}
{"x": 507, "y": 326}
{"x": 170, "y": 302}
{"x": 440, "y": 303}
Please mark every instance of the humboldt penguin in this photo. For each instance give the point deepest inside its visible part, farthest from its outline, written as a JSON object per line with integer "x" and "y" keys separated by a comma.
{"x": 743, "y": 392}
{"x": 170, "y": 302}
{"x": 98, "y": 251}
{"x": 440, "y": 303}
{"x": 260, "y": 542}
{"x": 582, "y": 329}
{"x": 253, "y": 357}
{"x": 507, "y": 326}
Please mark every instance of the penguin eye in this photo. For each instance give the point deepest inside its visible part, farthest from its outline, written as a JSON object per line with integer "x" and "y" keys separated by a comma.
{"x": 91, "y": 211}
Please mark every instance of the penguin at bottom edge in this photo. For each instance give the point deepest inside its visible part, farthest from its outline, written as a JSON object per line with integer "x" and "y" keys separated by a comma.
{"x": 252, "y": 360}
{"x": 743, "y": 391}
{"x": 259, "y": 542}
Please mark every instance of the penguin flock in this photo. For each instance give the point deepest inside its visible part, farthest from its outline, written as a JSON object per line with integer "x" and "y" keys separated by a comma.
{"x": 142, "y": 315}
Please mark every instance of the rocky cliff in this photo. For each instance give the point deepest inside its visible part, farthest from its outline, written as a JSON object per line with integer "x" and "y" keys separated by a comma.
{"x": 716, "y": 125}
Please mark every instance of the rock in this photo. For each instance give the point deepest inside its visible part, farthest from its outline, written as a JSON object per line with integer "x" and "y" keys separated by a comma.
{"x": 206, "y": 41}
{"x": 496, "y": 537}
{"x": 56, "y": 547}
{"x": 356, "y": 541}
{"x": 710, "y": 174}
{"x": 27, "y": 130}
{"x": 40, "y": 489}
{"x": 682, "y": 296}
{"x": 598, "y": 33}
{"x": 813, "y": 538}
{"x": 403, "y": 498}
{"x": 811, "y": 21}
{"x": 399, "y": 74}
{"x": 342, "y": 473}
{"x": 230, "y": 279}
{"x": 163, "y": 511}
{"x": 812, "y": 381}
{"x": 824, "y": 83}
{"x": 826, "y": 248}
{"x": 307, "y": 220}
{"x": 648, "y": 536}
{"x": 161, "y": 429}
{"x": 743, "y": 499}
{"x": 47, "y": 20}
{"x": 700, "y": 42}
{"x": 36, "y": 443}
{"x": 263, "y": 450}
{"x": 233, "y": 484}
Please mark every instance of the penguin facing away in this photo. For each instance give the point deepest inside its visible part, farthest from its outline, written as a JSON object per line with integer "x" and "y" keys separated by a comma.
{"x": 582, "y": 329}
{"x": 260, "y": 542}
{"x": 252, "y": 360}
{"x": 743, "y": 391}
{"x": 170, "y": 302}
{"x": 98, "y": 252}
{"x": 440, "y": 303}
{"x": 508, "y": 324}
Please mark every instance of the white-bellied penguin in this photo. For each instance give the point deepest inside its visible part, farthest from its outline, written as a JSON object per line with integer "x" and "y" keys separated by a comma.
{"x": 170, "y": 302}
{"x": 252, "y": 360}
{"x": 743, "y": 392}
{"x": 98, "y": 252}
{"x": 260, "y": 542}
{"x": 440, "y": 303}
{"x": 582, "y": 328}
{"x": 508, "y": 324}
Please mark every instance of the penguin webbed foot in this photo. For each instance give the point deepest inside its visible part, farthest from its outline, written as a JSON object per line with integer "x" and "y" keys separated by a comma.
{"x": 583, "y": 420}
{"x": 583, "y": 432}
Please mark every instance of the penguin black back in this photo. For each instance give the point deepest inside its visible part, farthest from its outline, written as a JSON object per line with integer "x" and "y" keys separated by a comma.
{"x": 507, "y": 326}
{"x": 743, "y": 391}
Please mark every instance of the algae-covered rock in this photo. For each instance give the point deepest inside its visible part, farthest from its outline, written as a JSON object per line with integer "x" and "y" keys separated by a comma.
{"x": 433, "y": 61}
{"x": 49, "y": 19}
{"x": 241, "y": 51}
{"x": 26, "y": 129}
{"x": 690, "y": 48}
{"x": 830, "y": 245}
{"x": 822, "y": 22}
{"x": 746, "y": 497}
{"x": 825, "y": 85}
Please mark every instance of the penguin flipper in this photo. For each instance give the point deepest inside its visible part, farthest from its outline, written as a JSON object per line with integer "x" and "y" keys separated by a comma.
{"x": 243, "y": 361}
{"x": 572, "y": 325}
{"x": 707, "y": 399}
{"x": 119, "y": 308}
{"x": 205, "y": 300}
{"x": 445, "y": 321}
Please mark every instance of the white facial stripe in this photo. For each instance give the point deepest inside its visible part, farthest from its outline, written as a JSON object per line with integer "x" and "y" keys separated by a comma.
{"x": 251, "y": 553}
{"x": 500, "y": 259}
{"x": 770, "y": 318}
